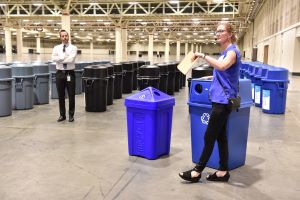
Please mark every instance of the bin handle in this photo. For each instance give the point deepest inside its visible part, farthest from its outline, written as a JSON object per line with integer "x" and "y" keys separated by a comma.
{"x": 279, "y": 86}
{"x": 53, "y": 76}
{"x": 35, "y": 81}
{"x": 19, "y": 85}
{"x": 89, "y": 85}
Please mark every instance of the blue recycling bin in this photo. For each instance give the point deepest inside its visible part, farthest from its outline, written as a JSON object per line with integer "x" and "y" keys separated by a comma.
{"x": 252, "y": 73}
{"x": 237, "y": 125}
{"x": 274, "y": 89}
{"x": 243, "y": 69}
{"x": 260, "y": 74}
{"x": 149, "y": 123}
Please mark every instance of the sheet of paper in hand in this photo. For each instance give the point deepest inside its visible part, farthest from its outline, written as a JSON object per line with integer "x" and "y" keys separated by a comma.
{"x": 186, "y": 64}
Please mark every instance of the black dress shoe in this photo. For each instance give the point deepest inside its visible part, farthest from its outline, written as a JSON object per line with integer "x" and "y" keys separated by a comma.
{"x": 71, "y": 119}
{"x": 61, "y": 118}
{"x": 187, "y": 175}
{"x": 214, "y": 177}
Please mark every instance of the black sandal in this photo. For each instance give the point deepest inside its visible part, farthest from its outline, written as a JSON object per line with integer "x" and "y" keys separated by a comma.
{"x": 214, "y": 177}
{"x": 187, "y": 175}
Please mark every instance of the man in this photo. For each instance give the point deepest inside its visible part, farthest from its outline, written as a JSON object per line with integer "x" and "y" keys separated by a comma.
{"x": 64, "y": 55}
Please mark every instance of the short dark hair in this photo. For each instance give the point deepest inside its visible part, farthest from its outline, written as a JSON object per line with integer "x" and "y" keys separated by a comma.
{"x": 63, "y": 30}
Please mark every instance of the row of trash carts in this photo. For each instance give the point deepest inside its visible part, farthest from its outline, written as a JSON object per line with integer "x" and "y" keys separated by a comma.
{"x": 23, "y": 85}
{"x": 269, "y": 86}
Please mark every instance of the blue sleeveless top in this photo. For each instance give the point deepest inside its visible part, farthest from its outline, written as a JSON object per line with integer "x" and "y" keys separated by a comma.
{"x": 228, "y": 78}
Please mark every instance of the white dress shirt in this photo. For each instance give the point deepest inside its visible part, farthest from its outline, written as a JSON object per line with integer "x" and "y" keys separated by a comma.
{"x": 67, "y": 57}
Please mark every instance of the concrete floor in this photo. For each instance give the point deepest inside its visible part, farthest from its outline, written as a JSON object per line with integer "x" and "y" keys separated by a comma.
{"x": 88, "y": 159}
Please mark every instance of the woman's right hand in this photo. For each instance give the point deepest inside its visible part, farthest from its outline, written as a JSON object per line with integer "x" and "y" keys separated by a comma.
{"x": 197, "y": 55}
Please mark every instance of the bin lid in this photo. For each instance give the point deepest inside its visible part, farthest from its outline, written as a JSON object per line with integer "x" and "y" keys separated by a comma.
{"x": 4, "y": 63}
{"x": 163, "y": 68}
{"x": 261, "y": 72}
{"x": 100, "y": 62}
{"x": 172, "y": 67}
{"x": 110, "y": 68}
{"x": 52, "y": 67}
{"x": 277, "y": 74}
{"x": 127, "y": 66}
{"x": 40, "y": 68}
{"x": 199, "y": 91}
{"x": 151, "y": 99}
{"x": 95, "y": 71}
{"x": 78, "y": 66}
{"x": 206, "y": 65}
{"x": 5, "y": 72}
{"x": 117, "y": 67}
{"x": 198, "y": 72}
{"x": 149, "y": 71}
{"x": 22, "y": 70}
{"x": 134, "y": 64}
{"x": 141, "y": 63}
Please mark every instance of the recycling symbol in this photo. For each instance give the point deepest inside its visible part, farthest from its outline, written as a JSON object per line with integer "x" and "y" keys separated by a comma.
{"x": 205, "y": 118}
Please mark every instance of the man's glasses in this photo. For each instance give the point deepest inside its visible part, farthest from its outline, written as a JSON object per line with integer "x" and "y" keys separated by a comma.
{"x": 219, "y": 31}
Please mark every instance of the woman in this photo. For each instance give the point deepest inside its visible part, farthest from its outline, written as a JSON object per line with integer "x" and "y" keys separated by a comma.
{"x": 224, "y": 85}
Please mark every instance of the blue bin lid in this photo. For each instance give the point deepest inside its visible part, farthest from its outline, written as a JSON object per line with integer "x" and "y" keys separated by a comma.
{"x": 277, "y": 74}
{"x": 203, "y": 97}
{"x": 151, "y": 99}
{"x": 243, "y": 105}
{"x": 261, "y": 72}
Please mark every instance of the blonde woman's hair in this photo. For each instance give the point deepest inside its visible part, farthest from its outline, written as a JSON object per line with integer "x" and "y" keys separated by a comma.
{"x": 230, "y": 29}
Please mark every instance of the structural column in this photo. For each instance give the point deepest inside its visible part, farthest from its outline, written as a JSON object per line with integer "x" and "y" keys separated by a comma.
{"x": 192, "y": 47}
{"x": 197, "y": 48}
{"x": 167, "y": 50}
{"x": 150, "y": 48}
{"x": 124, "y": 44}
{"x": 66, "y": 24}
{"x": 200, "y": 50}
{"x": 186, "y": 51}
{"x": 19, "y": 42}
{"x": 118, "y": 50}
{"x": 8, "y": 46}
{"x": 178, "y": 51}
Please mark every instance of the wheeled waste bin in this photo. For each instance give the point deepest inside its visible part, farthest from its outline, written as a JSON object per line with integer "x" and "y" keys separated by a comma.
{"x": 259, "y": 75}
{"x": 127, "y": 77}
{"x": 53, "y": 89}
{"x": 118, "y": 80}
{"x": 78, "y": 77}
{"x": 171, "y": 78}
{"x": 164, "y": 73}
{"x": 110, "y": 84}
{"x": 135, "y": 74}
{"x": 5, "y": 91}
{"x": 200, "y": 109}
{"x": 274, "y": 89}
{"x": 95, "y": 82}
{"x": 41, "y": 83}
{"x": 22, "y": 98}
{"x": 148, "y": 76}
{"x": 149, "y": 123}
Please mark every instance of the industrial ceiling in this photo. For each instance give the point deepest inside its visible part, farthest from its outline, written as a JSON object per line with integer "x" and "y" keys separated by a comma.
{"x": 185, "y": 20}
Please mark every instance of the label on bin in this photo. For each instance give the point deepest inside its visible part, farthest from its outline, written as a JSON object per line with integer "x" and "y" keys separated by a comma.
{"x": 257, "y": 94}
{"x": 266, "y": 100}
{"x": 205, "y": 118}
